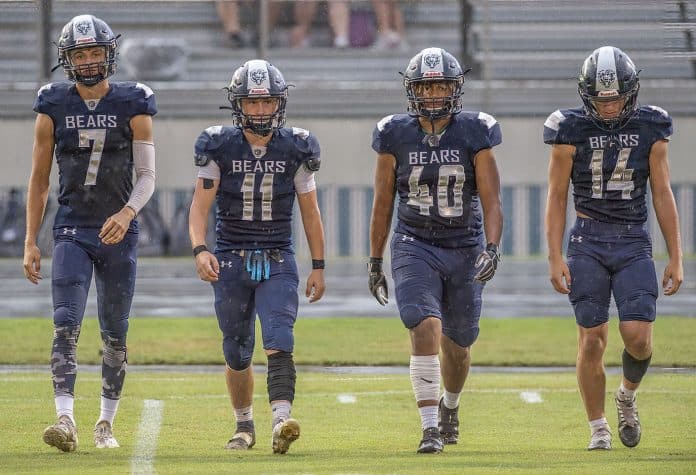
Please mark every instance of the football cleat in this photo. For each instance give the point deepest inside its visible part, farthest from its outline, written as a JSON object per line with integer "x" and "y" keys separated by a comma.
{"x": 285, "y": 433}
{"x": 600, "y": 440}
{"x": 241, "y": 441}
{"x": 104, "y": 437}
{"x": 62, "y": 435}
{"x": 448, "y": 423}
{"x": 431, "y": 442}
{"x": 629, "y": 424}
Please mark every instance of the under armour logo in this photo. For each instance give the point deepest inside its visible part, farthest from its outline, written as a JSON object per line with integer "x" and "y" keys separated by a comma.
{"x": 72, "y": 231}
{"x": 574, "y": 238}
{"x": 224, "y": 264}
{"x": 407, "y": 238}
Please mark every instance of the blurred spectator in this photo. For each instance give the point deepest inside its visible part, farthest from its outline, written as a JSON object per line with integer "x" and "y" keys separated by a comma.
{"x": 339, "y": 17}
{"x": 391, "y": 32}
{"x": 228, "y": 12}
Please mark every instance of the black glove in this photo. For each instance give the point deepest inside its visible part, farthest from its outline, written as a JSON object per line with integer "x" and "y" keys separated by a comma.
{"x": 486, "y": 263}
{"x": 377, "y": 281}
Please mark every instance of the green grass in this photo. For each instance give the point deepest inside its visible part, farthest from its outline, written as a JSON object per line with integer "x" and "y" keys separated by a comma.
{"x": 345, "y": 341}
{"x": 377, "y": 434}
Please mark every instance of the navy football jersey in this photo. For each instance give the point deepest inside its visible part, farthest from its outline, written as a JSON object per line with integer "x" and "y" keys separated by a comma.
{"x": 93, "y": 148}
{"x": 438, "y": 199}
{"x": 256, "y": 195}
{"x": 610, "y": 170}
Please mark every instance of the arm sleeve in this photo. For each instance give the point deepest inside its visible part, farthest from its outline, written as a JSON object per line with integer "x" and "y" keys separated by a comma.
{"x": 210, "y": 170}
{"x": 304, "y": 181}
{"x": 144, "y": 162}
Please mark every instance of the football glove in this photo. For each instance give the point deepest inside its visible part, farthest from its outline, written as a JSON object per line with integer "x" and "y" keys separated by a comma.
{"x": 377, "y": 281}
{"x": 487, "y": 263}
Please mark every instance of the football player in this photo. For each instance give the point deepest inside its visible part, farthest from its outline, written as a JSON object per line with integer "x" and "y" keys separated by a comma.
{"x": 610, "y": 149}
{"x": 253, "y": 171}
{"x": 439, "y": 161}
{"x": 100, "y": 133}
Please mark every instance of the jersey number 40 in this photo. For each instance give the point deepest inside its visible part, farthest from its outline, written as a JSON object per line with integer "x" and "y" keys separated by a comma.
{"x": 419, "y": 194}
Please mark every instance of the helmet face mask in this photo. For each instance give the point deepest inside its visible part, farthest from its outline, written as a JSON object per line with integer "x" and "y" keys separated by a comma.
{"x": 258, "y": 79}
{"x": 609, "y": 78}
{"x": 83, "y": 34}
{"x": 433, "y": 81}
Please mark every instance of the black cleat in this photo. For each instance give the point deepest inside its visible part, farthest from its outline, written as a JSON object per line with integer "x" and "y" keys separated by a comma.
{"x": 448, "y": 423}
{"x": 629, "y": 424}
{"x": 432, "y": 442}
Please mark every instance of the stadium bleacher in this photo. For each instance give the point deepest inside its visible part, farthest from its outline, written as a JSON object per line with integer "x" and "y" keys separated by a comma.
{"x": 525, "y": 53}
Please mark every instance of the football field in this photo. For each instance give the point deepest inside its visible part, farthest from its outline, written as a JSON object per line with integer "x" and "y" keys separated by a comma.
{"x": 178, "y": 421}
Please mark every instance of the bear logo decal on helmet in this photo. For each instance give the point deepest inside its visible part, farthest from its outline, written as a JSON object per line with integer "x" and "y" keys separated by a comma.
{"x": 431, "y": 60}
{"x": 259, "y": 76}
{"x": 607, "y": 77}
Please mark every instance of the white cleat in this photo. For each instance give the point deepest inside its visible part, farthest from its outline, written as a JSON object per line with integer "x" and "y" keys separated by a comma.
{"x": 285, "y": 433}
{"x": 62, "y": 435}
{"x": 600, "y": 440}
{"x": 104, "y": 437}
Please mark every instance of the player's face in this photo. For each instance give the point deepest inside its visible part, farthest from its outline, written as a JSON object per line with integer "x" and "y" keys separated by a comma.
{"x": 263, "y": 106}
{"x": 434, "y": 92}
{"x": 609, "y": 108}
{"x": 88, "y": 61}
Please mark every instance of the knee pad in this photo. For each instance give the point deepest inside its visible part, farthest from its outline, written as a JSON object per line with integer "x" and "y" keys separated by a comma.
{"x": 465, "y": 337}
{"x": 641, "y": 307}
{"x": 634, "y": 369}
{"x": 281, "y": 377}
{"x": 238, "y": 352}
{"x": 64, "y": 359}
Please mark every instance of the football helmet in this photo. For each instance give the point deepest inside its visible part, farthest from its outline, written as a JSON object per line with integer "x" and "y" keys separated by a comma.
{"x": 433, "y": 64}
{"x": 257, "y": 79}
{"x": 609, "y": 74}
{"x": 87, "y": 31}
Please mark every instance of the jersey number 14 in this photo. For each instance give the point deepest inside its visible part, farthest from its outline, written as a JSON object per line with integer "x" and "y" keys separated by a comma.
{"x": 621, "y": 178}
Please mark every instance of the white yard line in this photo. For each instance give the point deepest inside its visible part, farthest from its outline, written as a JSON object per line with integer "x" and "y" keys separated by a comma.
{"x": 143, "y": 458}
{"x": 531, "y": 397}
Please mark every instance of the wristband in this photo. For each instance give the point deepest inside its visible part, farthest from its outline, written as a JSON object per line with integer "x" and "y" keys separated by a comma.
{"x": 375, "y": 264}
{"x": 318, "y": 263}
{"x": 198, "y": 249}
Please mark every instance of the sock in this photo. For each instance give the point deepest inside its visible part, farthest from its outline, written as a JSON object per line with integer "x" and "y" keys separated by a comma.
{"x": 626, "y": 394}
{"x": 428, "y": 416}
{"x": 244, "y": 414}
{"x": 597, "y": 424}
{"x": 108, "y": 410}
{"x": 280, "y": 411}
{"x": 64, "y": 407}
{"x": 451, "y": 400}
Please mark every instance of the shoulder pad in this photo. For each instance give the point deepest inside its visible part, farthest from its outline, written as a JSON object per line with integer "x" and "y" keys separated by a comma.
{"x": 487, "y": 119}
{"x": 54, "y": 92}
{"x": 140, "y": 96}
{"x": 300, "y": 132}
{"x": 207, "y": 142}
{"x": 661, "y": 122}
{"x": 385, "y": 120}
